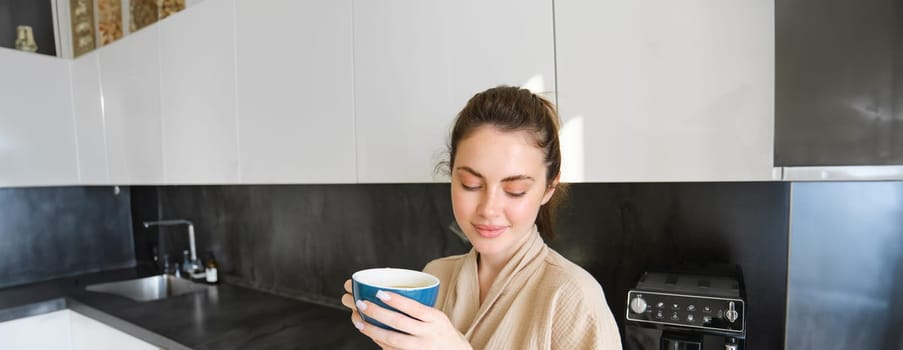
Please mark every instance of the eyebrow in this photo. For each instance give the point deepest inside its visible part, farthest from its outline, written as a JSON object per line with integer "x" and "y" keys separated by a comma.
{"x": 507, "y": 179}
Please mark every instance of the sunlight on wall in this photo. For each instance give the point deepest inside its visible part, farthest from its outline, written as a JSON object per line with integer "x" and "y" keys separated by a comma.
{"x": 103, "y": 110}
{"x": 572, "y": 154}
{"x": 865, "y": 107}
{"x": 536, "y": 84}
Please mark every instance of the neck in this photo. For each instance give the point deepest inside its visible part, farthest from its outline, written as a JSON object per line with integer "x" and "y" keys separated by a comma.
{"x": 489, "y": 266}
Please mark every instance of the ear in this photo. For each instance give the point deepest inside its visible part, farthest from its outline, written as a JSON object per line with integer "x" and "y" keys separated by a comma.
{"x": 550, "y": 190}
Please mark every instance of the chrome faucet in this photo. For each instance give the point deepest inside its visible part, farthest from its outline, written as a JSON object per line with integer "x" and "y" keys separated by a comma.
{"x": 194, "y": 268}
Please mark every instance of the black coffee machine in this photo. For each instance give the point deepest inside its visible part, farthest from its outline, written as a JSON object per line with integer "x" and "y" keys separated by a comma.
{"x": 687, "y": 309}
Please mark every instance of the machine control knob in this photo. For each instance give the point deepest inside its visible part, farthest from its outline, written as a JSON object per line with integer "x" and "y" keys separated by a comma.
{"x": 638, "y": 305}
{"x": 731, "y": 345}
{"x": 731, "y": 314}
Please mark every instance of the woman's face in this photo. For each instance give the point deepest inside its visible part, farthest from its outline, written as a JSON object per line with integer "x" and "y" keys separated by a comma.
{"x": 497, "y": 186}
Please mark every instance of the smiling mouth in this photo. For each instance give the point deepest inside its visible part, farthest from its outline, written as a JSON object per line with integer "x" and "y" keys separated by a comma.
{"x": 489, "y": 231}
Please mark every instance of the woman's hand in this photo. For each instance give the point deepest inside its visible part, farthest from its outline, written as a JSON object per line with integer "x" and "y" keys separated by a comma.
{"x": 429, "y": 329}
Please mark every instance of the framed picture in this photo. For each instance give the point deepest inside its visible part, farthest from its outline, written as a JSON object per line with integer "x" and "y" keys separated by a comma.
{"x": 83, "y": 36}
{"x": 109, "y": 21}
{"x": 142, "y": 13}
{"x": 80, "y": 26}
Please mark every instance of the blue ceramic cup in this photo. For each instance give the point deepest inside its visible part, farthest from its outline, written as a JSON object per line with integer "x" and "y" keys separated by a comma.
{"x": 416, "y": 285}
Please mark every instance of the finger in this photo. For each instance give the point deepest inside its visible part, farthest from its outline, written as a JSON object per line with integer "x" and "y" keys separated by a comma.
{"x": 407, "y": 305}
{"x": 360, "y": 324}
{"x": 357, "y": 321}
{"x": 388, "y": 339}
{"x": 390, "y": 318}
{"x": 348, "y": 301}
{"x": 384, "y": 346}
{"x": 348, "y": 287}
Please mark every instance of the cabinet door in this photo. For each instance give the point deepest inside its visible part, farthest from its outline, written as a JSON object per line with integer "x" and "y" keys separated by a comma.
{"x": 45, "y": 331}
{"x": 130, "y": 80}
{"x": 89, "y": 120}
{"x": 295, "y": 102}
{"x": 88, "y": 334}
{"x": 197, "y": 79}
{"x": 418, "y": 62}
{"x": 37, "y": 133}
{"x": 665, "y": 90}
{"x": 839, "y": 81}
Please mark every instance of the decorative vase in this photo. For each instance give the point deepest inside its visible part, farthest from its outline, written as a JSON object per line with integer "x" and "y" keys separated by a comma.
{"x": 25, "y": 39}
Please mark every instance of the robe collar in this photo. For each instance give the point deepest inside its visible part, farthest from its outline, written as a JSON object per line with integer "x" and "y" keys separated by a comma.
{"x": 513, "y": 276}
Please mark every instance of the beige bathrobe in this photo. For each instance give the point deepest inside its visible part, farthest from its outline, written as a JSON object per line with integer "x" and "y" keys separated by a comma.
{"x": 539, "y": 300}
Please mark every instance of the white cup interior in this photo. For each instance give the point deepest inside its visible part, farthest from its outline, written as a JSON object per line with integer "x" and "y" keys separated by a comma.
{"x": 393, "y": 278}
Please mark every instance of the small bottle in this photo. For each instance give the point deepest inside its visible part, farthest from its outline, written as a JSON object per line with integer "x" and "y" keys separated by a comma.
{"x": 210, "y": 269}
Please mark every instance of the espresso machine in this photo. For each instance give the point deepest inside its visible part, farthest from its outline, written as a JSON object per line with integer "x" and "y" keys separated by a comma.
{"x": 687, "y": 309}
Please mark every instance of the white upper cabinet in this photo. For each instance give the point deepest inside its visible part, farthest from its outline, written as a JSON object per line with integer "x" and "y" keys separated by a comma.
{"x": 37, "y": 132}
{"x": 197, "y": 95}
{"x": 345, "y": 91}
{"x": 295, "y": 92}
{"x": 89, "y": 122}
{"x": 418, "y": 62}
{"x": 666, "y": 90}
{"x": 130, "y": 83}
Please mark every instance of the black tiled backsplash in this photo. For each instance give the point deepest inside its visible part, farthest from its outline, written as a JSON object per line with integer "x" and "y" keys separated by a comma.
{"x": 303, "y": 241}
{"x": 617, "y": 231}
{"x": 50, "y": 232}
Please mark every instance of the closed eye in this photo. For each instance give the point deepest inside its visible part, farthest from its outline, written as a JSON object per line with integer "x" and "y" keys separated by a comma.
{"x": 470, "y": 188}
{"x": 516, "y": 195}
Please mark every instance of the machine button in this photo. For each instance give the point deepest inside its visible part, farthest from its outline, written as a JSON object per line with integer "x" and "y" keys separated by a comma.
{"x": 706, "y": 309}
{"x": 638, "y": 305}
{"x": 675, "y": 317}
{"x": 660, "y": 305}
{"x": 659, "y": 315}
{"x": 706, "y": 320}
{"x": 691, "y": 308}
{"x": 691, "y": 318}
{"x": 731, "y": 314}
{"x": 675, "y": 307}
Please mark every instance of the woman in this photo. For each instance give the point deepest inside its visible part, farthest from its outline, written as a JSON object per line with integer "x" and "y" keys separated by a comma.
{"x": 510, "y": 291}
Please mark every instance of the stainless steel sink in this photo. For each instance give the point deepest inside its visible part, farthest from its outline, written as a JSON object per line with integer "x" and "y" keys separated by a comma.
{"x": 149, "y": 288}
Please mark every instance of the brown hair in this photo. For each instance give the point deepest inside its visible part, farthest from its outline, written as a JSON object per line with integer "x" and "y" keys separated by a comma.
{"x": 513, "y": 109}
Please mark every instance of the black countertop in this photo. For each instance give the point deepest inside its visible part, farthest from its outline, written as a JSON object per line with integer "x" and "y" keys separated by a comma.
{"x": 224, "y": 317}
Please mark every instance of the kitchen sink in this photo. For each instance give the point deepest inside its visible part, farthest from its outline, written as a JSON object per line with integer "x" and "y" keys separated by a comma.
{"x": 149, "y": 288}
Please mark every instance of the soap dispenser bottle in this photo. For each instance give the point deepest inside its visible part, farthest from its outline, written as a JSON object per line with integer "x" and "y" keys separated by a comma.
{"x": 210, "y": 269}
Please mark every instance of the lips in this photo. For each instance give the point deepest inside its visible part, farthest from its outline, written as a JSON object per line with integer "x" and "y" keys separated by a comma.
{"x": 489, "y": 231}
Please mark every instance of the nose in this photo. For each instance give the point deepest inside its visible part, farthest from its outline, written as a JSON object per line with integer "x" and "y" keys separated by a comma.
{"x": 489, "y": 204}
